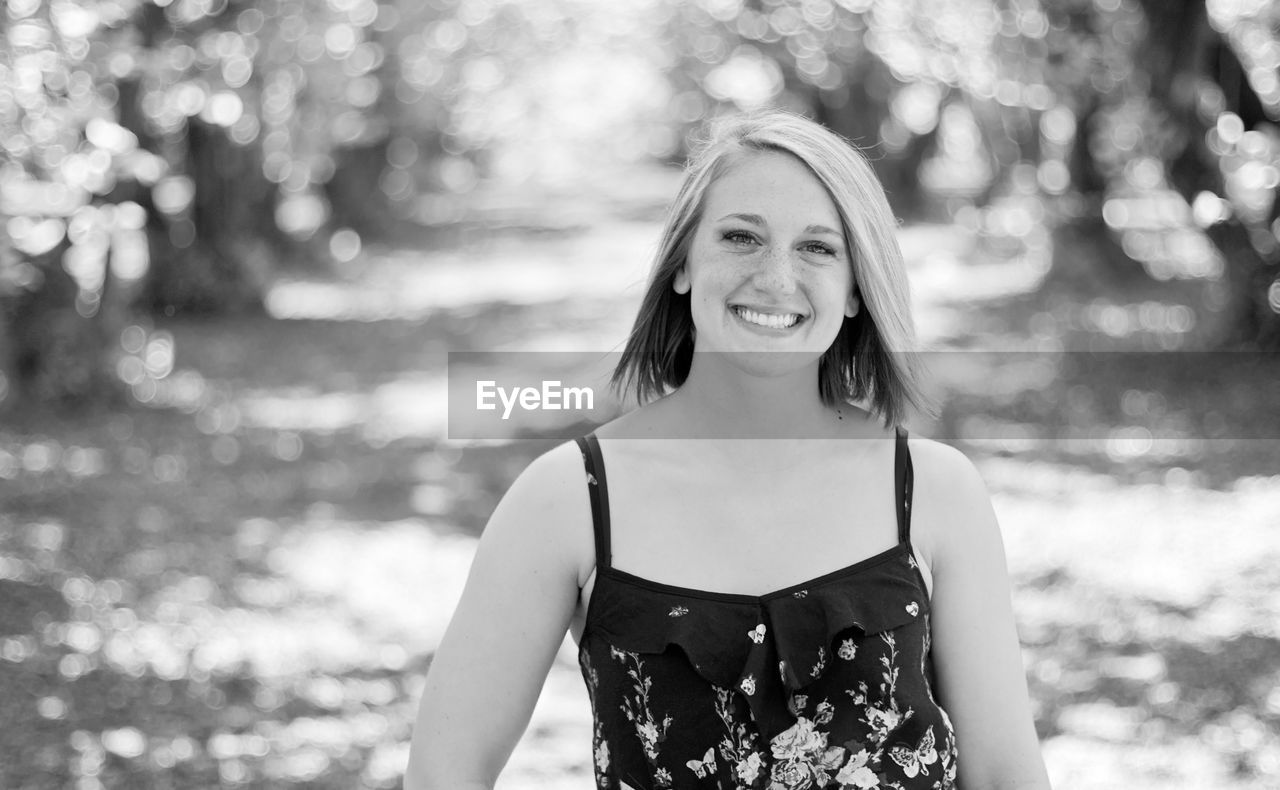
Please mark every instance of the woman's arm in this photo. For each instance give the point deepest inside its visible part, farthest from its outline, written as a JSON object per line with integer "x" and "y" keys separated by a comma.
{"x": 981, "y": 678}
{"x": 493, "y": 659}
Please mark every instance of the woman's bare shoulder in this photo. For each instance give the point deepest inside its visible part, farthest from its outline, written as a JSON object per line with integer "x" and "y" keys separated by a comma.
{"x": 555, "y": 476}
{"x": 941, "y": 470}
{"x": 550, "y": 497}
{"x": 951, "y": 509}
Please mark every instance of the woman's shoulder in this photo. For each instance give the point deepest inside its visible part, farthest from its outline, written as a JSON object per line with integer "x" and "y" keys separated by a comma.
{"x": 935, "y": 462}
{"x": 553, "y": 483}
{"x": 951, "y": 508}
{"x": 558, "y": 468}
{"x": 549, "y": 499}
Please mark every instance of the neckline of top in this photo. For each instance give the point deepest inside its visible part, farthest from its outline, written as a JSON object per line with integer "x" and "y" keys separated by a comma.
{"x": 756, "y": 600}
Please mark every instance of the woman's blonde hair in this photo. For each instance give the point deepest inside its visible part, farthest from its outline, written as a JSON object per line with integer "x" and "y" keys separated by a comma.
{"x": 872, "y": 357}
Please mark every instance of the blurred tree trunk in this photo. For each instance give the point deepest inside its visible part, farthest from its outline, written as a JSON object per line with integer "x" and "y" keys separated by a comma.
{"x": 900, "y": 176}
{"x": 354, "y": 193}
{"x": 1181, "y": 50}
{"x": 160, "y": 246}
{"x": 224, "y": 264}
{"x": 1086, "y": 252}
{"x": 856, "y": 112}
{"x": 53, "y": 355}
{"x": 55, "y": 349}
{"x": 1179, "y": 58}
{"x": 222, "y": 260}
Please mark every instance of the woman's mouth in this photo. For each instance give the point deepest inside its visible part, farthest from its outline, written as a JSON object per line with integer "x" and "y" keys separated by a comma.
{"x": 767, "y": 320}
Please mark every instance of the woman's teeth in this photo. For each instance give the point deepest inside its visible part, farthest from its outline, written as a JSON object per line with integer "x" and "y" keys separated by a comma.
{"x": 770, "y": 320}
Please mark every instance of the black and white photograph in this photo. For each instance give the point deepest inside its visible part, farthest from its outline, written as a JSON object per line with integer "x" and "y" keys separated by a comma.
{"x": 640, "y": 394}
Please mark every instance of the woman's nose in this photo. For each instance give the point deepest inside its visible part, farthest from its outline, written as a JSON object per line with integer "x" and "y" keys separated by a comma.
{"x": 777, "y": 272}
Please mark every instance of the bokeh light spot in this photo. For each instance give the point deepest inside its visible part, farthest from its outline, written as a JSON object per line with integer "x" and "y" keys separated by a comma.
{"x": 344, "y": 245}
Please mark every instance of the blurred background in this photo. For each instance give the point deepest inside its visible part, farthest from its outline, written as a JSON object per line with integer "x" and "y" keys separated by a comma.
{"x": 241, "y": 238}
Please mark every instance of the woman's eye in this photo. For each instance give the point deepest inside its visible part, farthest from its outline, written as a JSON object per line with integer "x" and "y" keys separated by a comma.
{"x": 739, "y": 237}
{"x": 819, "y": 247}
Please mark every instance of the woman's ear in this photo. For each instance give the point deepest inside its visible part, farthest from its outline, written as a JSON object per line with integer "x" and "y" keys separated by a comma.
{"x": 681, "y": 283}
{"x": 851, "y": 307}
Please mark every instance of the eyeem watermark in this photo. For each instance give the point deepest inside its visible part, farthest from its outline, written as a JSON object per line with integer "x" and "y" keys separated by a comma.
{"x": 1162, "y": 405}
{"x": 508, "y": 395}
{"x": 551, "y": 396}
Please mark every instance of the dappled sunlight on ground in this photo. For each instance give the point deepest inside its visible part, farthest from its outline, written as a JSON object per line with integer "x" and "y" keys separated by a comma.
{"x": 1139, "y": 607}
{"x": 1081, "y": 761}
{"x": 395, "y": 584}
{"x": 1178, "y": 545}
{"x": 555, "y": 751}
{"x": 608, "y": 262}
{"x": 410, "y": 406}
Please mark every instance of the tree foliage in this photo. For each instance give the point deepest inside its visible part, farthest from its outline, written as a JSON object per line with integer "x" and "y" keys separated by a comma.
{"x": 168, "y": 153}
{"x": 172, "y": 153}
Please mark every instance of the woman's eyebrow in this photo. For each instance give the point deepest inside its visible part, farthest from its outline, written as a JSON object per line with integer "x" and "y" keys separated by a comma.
{"x": 821, "y": 229}
{"x": 756, "y": 219}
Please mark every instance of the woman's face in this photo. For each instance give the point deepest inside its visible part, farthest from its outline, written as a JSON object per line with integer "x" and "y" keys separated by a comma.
{"x": 767, "y": 268}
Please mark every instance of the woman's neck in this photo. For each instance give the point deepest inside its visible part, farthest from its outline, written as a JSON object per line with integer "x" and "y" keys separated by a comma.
{"x": 724, "y": 401}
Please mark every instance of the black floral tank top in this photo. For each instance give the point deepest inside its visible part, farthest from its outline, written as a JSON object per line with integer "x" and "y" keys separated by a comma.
{"x": 825, "y": 684}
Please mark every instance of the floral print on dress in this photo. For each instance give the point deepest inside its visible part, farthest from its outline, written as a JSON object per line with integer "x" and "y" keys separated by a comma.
{"x": 848, "y": 650}
{"x": 946, "y": 755}
{"x": 858, "y": 713}
{"x": 602, "y": 756}
{"x": 867, "y": 734}
{"x": 599, "y": 745}
{"x": 883, "y": 719}
{"x": 924, "y": 658}
{"x": 821, "y": 665}
{"x": 636, "y": 709}
{"x": 856, "y": 772}
{"x": 802, "y": 758}
{"x": 738, "y": 746}
{"x": 889, "y": 661}
{"x": 797, "y": 703}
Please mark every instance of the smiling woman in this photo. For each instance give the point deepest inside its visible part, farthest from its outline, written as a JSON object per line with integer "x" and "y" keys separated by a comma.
{"x": 819, "y": 191}
{"x": 787, "y": 283}
{"x": 772, "y": 587}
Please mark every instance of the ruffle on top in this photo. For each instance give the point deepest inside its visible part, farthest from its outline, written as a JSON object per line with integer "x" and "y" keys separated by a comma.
{"x": 763, "y": 647}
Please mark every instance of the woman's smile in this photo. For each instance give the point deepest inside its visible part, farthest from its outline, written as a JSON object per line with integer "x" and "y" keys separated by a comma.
{"x": 767, "y": 320}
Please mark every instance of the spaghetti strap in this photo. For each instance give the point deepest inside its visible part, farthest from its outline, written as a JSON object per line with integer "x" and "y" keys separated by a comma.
{"x": 598, "y": 491}
{"x": 902, "y": 479}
